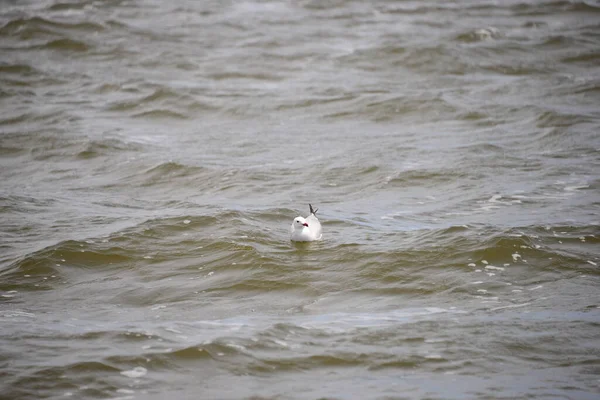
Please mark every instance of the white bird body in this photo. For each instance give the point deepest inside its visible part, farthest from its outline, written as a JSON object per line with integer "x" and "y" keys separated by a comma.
{"x": 306, "y": 229}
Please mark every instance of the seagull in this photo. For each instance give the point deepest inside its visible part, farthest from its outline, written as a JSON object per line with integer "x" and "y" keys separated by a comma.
{"x": 306, "y": 229}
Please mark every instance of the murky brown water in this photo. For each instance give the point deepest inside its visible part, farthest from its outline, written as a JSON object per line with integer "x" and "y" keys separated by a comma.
{"x": 153, "y": 155}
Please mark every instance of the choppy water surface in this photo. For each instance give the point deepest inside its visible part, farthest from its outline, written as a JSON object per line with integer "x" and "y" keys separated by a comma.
{"x": 153, "y": 155}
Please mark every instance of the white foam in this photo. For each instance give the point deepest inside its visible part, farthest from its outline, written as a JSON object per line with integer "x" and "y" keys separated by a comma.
{"x": 494, "y": 268}
{"x": 486, "y": 34}
{"x": 236, "y": 346}
{"x": 593, "y": 263}
{"x": 137, "y": 372}
{"x": 471, "y": 265}
{"x": 435, "y": 340}
{"x": 16, "y": 313}
{"x": 484, "y": 262}
{"x": 574, "y": 188}
{"x": 516, "y": 257}
{"x": 510, "y": 306}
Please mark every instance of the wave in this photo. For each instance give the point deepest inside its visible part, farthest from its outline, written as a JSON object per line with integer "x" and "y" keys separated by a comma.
{"x": 228, "y": 251}
{"x": 161, "y": 114}
{"x": 33, "y": 26}
{"x": 105, "y": 147}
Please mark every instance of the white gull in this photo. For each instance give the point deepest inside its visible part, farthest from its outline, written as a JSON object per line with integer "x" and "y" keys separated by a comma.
{"x": 306, "y": 229}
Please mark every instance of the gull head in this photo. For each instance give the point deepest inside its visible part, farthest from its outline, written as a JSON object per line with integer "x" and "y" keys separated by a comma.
{"x": 300, "y": 223}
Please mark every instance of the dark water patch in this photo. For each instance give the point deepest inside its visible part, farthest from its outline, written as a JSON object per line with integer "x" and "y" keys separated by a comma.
{"x": 88, "y": 379}
{"x": 21, "y": 69}
{"x": 517, "y": 68}
{"x": 29, "y": 27}
{"x": 535, "y": 24}
{"x": 27, "y": 204}
{"x": 484, "y": 148}
{"x": 481, "y": 118}
{"x": 25, "y": 85}
{"x": 165, "y": 233}
{"x": 18, "y": 88}
{"x": 160, "y": 96}
{"x": 256, "y": 286}
{"x": 10, "y": 151}
{"x": 105, "y": 88}
{"x": 552, "y": 118}
{"x": 391, "y": 109}
{"x": 543, "y": 8}
{"x": 167, "y": 359}
{"x": 362, "y": 58}
{"x": 558, "y": 41}
{"x": 335, "y": 359}
{"x": 407, "y": 362}
{"x": 584, "y": 57}
{"x": 17, "y": 119}
{"x": 66, "y": 6}
{"x": 159, "y": 293}
{"x": 120, "y": 105}
{"x": 413, "y": 9}
{"x": 168, "y": 171}
{"x": 420, "y": 177}
{"x": 317, "y": 102}
{"x": 107, "y": 147}
{"x": 244, "y": 76}
{"x": 194, "y": 353}
{"x": 67, "y": 45}
{"x": 45, "y": 268}
{"x": 195, "y": 106}
{"x": 160, "y": 114}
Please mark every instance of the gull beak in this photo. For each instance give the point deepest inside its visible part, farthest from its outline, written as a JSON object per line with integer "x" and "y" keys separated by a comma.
{"x": 305, "y": 224}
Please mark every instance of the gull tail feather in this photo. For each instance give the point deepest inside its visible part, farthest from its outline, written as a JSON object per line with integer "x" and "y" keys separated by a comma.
{"x": 311, "y": 209}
